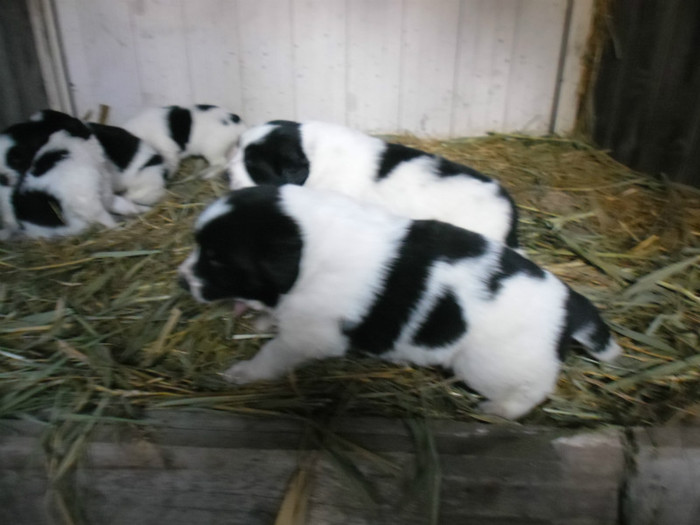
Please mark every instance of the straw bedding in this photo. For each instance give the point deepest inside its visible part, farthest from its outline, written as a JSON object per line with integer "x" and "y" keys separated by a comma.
{"x": 94, "y": 327}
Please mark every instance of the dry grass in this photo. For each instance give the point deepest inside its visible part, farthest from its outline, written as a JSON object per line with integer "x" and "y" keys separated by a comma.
{"x": 95, "y": 327}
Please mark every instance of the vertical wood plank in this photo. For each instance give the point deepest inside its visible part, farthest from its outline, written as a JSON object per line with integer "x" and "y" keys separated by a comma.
{"x": 319, "y": 59}
{"x": 161, "y": 53}
{"x": 373, "y": 64}
{"x": 570, "y": 89}
{"x": 211, "y": 33}
{"x": 534, "y": 65}
{"x": 486, "y": 42}
{"x": 429, "y": 50}
{"x": 68, "y": 15}
{"x": 267, "y": 66}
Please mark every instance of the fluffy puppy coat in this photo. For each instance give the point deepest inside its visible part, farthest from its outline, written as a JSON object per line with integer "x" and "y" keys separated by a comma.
{"x": 338, "y": 274}
{"x": 404, "y": 180}
{"x": 138, "y": 172}
{"x": 183, "y": 131}
{"x": 67, "y": 189}
{"x": 19, "y": 144}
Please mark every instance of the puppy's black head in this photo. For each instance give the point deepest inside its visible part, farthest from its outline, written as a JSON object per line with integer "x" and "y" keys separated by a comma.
{"x": 278, "y": 158}
{"x": 248, "y": 248}
{"x": 29, "y": 137}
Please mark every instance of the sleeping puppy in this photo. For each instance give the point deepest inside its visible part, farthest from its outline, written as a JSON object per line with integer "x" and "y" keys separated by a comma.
{"x": 137, "y": 171}
{"x": 178, "y": 132}
{"x": 338, "y": 274}
{"x": 18, "y": 146}
{"x": 404, "y": 180}
{"x": 67, "y": 189}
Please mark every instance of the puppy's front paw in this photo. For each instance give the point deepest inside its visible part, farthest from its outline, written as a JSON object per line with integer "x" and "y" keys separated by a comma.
{"x": 245, "y": 372}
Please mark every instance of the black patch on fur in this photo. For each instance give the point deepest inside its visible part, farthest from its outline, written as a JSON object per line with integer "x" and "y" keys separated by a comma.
{"x": 252, "y": 252}
{"x": 395, "y": 154}
{"x": 154, "y": 160}
{"x": 48, "y": 161}
{"x": 30, "y": 136}
{"x": 512, "y": 236}
{"x": 509, "y": 264}
{"x": 425, "y": 243}
{"x": 180, "y": 125}
{"x": 444, "y": 324}
{"x": 278, "y": 158}
{"x": 234, "y": 118}
{"x": 581, "y": 313}
{"x": 119, "y": 145}
{"x": 204, "y": 107}
{"x": 38, "y": 208}
{"x": 447, "y": 168}
{"x": 4, "y": 179}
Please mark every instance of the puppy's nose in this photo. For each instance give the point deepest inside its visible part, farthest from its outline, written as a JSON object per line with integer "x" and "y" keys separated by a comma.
{"x": 183, "y": 283}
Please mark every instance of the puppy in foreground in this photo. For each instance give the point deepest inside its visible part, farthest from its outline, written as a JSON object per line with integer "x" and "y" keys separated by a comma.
{"x": 337, "y": 274}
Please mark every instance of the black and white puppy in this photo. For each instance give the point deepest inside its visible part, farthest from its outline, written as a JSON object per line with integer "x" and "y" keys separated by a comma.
{"x": 183, "y": 131}
{"x": 19, "y": 144}
{"x": 337, "y": 274}
{"x": 67, "y": 189}
{"x": 404, "y": 180}
{"x": 139, "y": 172}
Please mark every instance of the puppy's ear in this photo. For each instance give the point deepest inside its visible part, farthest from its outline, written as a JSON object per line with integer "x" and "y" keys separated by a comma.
{"x": 279, "y": 158}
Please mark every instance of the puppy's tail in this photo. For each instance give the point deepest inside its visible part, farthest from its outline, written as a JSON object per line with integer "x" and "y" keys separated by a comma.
{"x": 585, "y": 325}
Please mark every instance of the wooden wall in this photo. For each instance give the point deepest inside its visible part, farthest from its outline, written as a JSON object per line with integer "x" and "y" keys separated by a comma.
{"x": 440, "y": 67}
{"x": 647, "y": 96}
{"x": 21, "y": 86}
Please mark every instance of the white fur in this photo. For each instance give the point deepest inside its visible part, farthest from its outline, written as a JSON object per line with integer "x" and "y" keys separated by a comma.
{"x": 508, "y": 353}
{"x": 11, "y": 177}
{"x": 81, "y": 184}
{"x": 346, "y": 160}
{"x": 141, "y": 184}
{"x": 213, "y": 135}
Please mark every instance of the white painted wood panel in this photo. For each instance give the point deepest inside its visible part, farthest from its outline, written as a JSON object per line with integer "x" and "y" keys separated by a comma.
{"x": 439, "y": 68}
{"x": 429, "y": 51}
{"x": 212, "y": 40}
{"x": 374, "y": 64}
{"x": 319, "y": 42}
{"x": 534, "y": 64}
{"x": 487, "y": 33}
{"x": 267, "y": 66}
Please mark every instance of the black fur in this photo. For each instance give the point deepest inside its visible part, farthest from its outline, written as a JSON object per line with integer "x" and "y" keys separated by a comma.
{"x": 30, "y": 136}
{"x": 425, "y": 243}
{"x": 38, "y": 208}
{"x": 4, "y": 180}
{"x": 447, "y": 168}
{"x": 511, "y": 263}
{"x": 234, "y": 118}
{"x": 119, "y": 145}
{"x": 48, "y": 161}
{"x": 256, "y": 240}
{"x": 580, "y": 313}
{"x": 154, "y": 160}
{"x": 278, "y": 158}
{"x": 204, "y": 107}
{"x": 393, "y": 155}
{"x": 180, "y": 125}
{"x": 444, "y": 324}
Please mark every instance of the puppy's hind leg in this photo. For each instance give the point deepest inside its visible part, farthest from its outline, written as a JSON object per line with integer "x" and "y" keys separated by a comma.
{"x": 512, "y": 387}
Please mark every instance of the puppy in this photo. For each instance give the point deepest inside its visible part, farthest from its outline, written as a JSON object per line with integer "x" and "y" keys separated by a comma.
{"x": 18, "y": 146}
{"x": 178, "y": 132}
{"x": 404, "y": 180}
{"x": 338, "y": 274}
{"x": 139, "y": 172}
{"x": 66, "y": 189}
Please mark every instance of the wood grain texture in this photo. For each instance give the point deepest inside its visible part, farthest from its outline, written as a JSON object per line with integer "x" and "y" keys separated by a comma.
{"x": 443, "y": 68}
